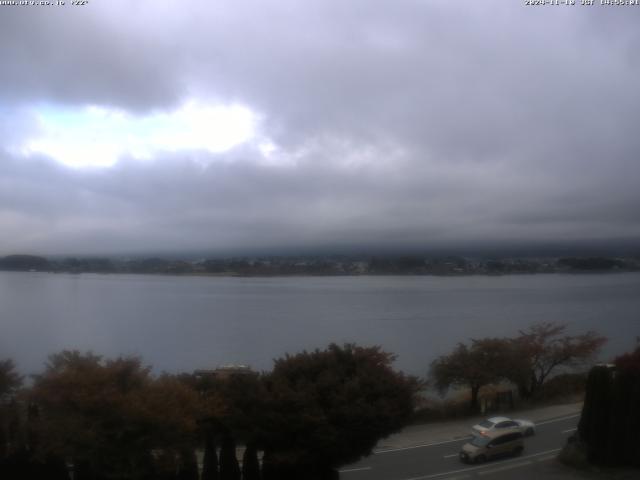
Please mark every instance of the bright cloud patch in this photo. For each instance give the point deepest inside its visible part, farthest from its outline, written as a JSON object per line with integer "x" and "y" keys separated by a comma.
{"x": 96, "y": 136}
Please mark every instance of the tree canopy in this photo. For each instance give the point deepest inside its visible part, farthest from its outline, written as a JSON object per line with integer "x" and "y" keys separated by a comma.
{"x": 108, "y": 415}
{"x": 10, "y": 380}
{"x": 329, "y": 407}
{"x": 23, "y": 263}
{"x": 545, "y": 348}
{"x": 474, "y": 366}
{"x": 527, "y": 360}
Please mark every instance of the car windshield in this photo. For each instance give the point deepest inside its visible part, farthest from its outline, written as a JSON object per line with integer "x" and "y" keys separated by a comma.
{"x": 486, "y": 424}
{"x": 480, "y": 441}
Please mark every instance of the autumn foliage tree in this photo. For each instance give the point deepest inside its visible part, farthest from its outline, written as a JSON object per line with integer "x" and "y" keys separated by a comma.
{"x": 544, "y": 349}
{"x": 528, "y": 360}
{"x": 233, "y": 408}
{"x": 483, "y": 362}
{"x": 109, "y": 415}
{"x": 330, "y": 407}
{"x": 10, "y": 380}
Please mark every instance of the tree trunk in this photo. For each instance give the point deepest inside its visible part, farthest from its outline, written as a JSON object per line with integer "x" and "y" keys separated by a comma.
{"x": 55, "y": 468}
{"x": 268, "y": 471}
{"x": 4, "y": 451}
{"x": 165, "y": 466}
{"x": 250, "y": 464}
{"x": 473, "y": 406}
{"x": 188, "y": 467}
{"x": 523, "y": 390}
{"x": 229, "y": 468}
{"x": 210, "y": 460}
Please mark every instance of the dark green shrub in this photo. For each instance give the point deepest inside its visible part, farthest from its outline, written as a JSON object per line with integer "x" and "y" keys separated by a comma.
{"x": 210, "y": 460}
{"x": 562, "y": 387}
{"x": 610, "y": 418}
{"x": 250, "y": 464}
{"x": 229, "y": 468}
{"x": 188, "y": 466}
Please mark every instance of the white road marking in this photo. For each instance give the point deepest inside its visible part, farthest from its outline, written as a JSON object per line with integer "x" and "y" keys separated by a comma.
{"x": 451, "y": 456}
{"x": 559, "y": 419}
{"x": 570, "y": 430}
{"x": 470, "y": 469}
{"x": 423, "y": 445}
{"x": 502, "y": 469}
{"x": 354, "y": 469}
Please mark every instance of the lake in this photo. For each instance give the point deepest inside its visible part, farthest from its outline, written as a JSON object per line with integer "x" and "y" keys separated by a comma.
{"x": 184, "y": 323}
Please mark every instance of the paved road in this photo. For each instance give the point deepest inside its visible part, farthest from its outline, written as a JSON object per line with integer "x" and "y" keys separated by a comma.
{"x": 439, "y": 461}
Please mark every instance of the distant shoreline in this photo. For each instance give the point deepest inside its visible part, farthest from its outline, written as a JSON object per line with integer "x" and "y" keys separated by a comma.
{"x": 323, "y": 266}
{"x": 329, "y": 275}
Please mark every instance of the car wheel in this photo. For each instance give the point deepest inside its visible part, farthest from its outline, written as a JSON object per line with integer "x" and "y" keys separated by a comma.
{"x": 517, "y": 451}
{"x": 529, "y": 432}
{"x": 481, "y": 459}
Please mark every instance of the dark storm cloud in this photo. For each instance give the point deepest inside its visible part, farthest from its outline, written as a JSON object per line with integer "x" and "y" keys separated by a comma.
{"x": 179, "y": 203}
{"x": 408, "y": 123}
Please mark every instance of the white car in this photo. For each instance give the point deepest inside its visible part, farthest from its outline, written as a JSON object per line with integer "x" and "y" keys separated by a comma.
{"x": 503, "y": 424}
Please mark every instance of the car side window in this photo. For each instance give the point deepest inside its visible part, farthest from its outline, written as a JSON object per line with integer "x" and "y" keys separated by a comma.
{"x": 502, "y": 425}
{"x": 507, "y": 424}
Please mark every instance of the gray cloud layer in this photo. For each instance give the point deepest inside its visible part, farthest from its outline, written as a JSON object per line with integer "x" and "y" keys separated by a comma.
{"x": 409, "y": 123}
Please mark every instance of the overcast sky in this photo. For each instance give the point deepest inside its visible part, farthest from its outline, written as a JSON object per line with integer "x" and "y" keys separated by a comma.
{"x": 149, "y": 126}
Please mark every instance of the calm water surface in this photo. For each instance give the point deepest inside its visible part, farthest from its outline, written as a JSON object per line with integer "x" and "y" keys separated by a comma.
{"x": 183, "y": 323}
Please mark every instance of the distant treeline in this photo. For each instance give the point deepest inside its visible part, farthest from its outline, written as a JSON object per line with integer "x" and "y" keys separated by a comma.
{"x": 282, "y": 266}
